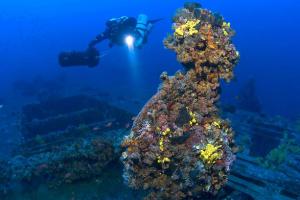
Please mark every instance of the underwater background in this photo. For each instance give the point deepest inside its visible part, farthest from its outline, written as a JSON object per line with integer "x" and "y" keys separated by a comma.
{"x": 34, "y": 32}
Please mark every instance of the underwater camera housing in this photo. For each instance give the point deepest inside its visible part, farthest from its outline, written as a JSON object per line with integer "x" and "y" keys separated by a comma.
{"x": 89, "y": 58}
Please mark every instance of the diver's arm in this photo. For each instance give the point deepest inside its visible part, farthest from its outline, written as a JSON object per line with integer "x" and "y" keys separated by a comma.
{"x": 112, "y": 27}
{"x": 99, "y": 38}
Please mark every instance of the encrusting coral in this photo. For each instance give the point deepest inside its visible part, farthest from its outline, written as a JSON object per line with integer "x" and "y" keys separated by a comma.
{"x": 210, "y": 154}
{"x": 179, "y": 147}
{"x": 187, "y": 29}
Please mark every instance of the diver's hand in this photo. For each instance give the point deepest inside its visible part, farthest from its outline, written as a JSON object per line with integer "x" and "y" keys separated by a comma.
{"x": 92, "y": 51}
{"x": 92, "y": 43}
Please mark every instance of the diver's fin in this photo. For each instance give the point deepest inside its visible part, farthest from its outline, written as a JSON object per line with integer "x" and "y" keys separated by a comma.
{"x": 155, "y": 20}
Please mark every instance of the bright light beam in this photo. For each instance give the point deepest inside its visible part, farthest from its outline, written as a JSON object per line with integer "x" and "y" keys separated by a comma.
{"x": 129, "y": 40}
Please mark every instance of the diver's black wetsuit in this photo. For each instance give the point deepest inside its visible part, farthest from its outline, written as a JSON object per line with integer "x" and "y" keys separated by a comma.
{"x": 116, "y": 30}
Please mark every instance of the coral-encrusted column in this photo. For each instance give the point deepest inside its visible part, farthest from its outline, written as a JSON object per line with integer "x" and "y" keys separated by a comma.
{"x": 179, "y": 147}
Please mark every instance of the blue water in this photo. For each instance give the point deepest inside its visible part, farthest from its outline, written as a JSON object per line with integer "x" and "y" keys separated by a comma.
{"x": 34, "y": 32}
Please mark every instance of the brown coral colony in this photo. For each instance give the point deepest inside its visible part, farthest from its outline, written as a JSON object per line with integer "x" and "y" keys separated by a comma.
{"x": 179, "y": 147}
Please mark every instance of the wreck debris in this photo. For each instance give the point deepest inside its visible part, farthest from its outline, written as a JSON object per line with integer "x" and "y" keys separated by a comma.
{"x": 65, "y": 141}
{"x": 264, "y": 178}
{"x": 56, "y": 122}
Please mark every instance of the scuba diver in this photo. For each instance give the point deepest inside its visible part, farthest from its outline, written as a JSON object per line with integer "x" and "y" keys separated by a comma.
{"x": 119, "y": 31}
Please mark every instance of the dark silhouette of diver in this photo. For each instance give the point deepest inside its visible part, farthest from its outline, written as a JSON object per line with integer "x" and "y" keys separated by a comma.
{"x": 119, "y": 31}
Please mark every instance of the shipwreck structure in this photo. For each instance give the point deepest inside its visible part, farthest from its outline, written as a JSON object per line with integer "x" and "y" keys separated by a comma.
{"x": 179, "y": 146}
{"x": 64, "y": 141}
